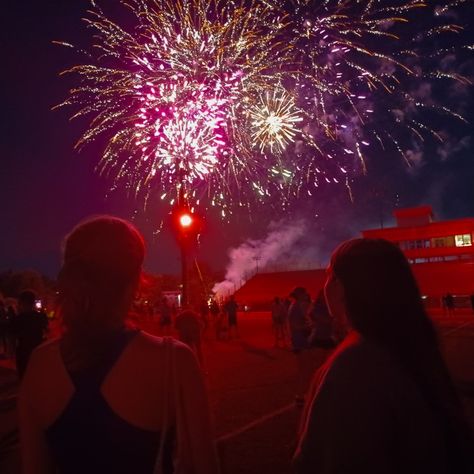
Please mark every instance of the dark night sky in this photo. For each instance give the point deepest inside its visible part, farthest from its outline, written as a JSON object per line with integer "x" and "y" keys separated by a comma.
{"x": 46, "y": 187}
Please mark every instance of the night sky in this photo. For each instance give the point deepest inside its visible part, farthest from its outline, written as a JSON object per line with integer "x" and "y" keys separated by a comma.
{"x": 46, "y": 187}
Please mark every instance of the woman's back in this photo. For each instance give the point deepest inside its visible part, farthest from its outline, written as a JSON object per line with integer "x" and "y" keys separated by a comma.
{"x": 110, "y": 416}
{"x": 367, "y": 415}
{"x": 99, "y": 399}
{"x": 391, "y": 403}
{"x": 89, "y": 436}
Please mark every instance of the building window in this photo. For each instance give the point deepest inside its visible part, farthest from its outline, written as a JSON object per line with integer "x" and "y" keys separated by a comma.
{"x": 463, "y": 240}
{"x": 417, "y": 244}
{"x": 439, "y": 242}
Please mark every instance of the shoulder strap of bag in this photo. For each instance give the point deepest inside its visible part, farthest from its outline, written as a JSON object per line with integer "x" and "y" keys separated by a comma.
{"x": 168, "y": 347}
{"x": 183, "y": 463}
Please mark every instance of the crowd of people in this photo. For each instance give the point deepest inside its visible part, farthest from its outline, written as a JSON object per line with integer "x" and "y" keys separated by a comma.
{"x": 24, "y": 325}
{"x": 211, "y": 318}
{"x": 383, "y": 402}
{"x": 299, "y": 322}
{"x": 22, "y": 328}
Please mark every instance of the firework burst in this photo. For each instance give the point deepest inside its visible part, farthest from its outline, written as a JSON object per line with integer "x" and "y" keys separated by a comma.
{"x": 233, "y": 102}
{"x": 275, "y": 120}
{"x": 172, "y": 96}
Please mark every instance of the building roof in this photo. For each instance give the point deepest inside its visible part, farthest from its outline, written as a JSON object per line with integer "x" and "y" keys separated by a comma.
{"x": 262, "y": 288}
{"x": 413, "y": 212}
{"x": 419, "y": 242}
{"x": 416, "y": 223}
{"x": 431, "y": 230}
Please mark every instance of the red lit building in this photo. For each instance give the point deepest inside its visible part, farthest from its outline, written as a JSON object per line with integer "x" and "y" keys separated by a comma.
{"x": 441, "y": 252}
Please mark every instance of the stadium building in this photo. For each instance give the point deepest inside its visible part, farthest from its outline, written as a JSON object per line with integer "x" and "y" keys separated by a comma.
{"x": 441, "y": 254}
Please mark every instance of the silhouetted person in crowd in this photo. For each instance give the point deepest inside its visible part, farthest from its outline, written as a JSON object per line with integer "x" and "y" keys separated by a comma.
{"x": 29, "y": 328}
{"x": 321, "y": 324}
{"x": 10, "y": 335}
{"x": 220, "y": 326}
{"x": 384, "y": 401}
{"x": 107, "y": 398}
{"x": 449, "y": 303}
{"x": 279, "y": 322}
{"x": 165, "y": 316}
{"x": 230, "y": 308}
{"x": 214, "y": 309}
{"x": 4, "y": 326}
{"x": 298, "y": 319}
{"x": 204, "y": 314}
{"x": 189, "y": 327}
{"x": 299, "y": 332}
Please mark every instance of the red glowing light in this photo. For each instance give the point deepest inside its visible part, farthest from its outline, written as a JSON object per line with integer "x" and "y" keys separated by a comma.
{"x": 185, "y": 220}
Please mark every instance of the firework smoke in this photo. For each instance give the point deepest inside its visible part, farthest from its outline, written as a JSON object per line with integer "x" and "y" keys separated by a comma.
{"x": 278, "y": 246}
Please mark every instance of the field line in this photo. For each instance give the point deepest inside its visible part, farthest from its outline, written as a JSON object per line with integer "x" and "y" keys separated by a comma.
{"x": 456, "y": 328}
{"x": 255, "y": 423}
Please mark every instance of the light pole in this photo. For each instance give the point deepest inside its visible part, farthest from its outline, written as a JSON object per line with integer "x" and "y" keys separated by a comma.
{"x": 187, "y": 227}
{"x": 256, "y": 258}
{"x": 185, "y": 223}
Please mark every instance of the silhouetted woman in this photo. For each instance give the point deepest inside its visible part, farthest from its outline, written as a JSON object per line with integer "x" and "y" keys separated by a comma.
{"x": 106, "y": 398}
{"x": 384, "y": 402}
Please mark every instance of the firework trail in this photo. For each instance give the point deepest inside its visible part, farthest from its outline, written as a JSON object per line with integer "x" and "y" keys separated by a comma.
{"x": 233, "y": 103}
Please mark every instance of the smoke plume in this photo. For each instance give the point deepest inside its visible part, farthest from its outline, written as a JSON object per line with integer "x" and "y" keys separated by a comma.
{"x": 276, "y": 247}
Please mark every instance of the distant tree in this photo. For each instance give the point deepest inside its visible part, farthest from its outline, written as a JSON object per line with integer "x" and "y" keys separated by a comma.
{"x": 151, "y": 288}
{"x": 6, "y": 286}
{"x": 13, "y": 282}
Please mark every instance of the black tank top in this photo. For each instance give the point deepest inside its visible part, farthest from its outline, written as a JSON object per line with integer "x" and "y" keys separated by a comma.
{"x": 89, "y": 437}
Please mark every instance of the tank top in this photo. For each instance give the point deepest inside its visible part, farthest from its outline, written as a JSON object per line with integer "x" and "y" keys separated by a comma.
{"x": 89, "y": 437}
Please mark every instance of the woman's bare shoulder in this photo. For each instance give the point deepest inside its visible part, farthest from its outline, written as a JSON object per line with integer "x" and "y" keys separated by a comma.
{"x": 147, "y": 339}
{"x": 45, "y": 375}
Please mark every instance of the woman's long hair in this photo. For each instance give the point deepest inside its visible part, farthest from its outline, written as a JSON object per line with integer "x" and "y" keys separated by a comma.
{"x": 383, "y": 303}
{"x": 102, "y": 261}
